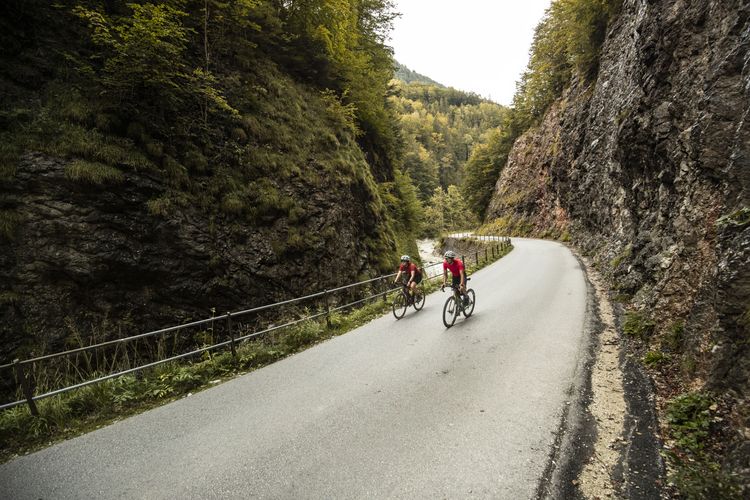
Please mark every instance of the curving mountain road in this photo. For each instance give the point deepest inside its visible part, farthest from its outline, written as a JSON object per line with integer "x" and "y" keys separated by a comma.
{"x": 394, "y": 409}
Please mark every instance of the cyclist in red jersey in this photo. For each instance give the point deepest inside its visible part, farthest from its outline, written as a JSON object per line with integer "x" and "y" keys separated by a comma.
{"x": 412, "y": 274}
{"x": 456, "y": 267}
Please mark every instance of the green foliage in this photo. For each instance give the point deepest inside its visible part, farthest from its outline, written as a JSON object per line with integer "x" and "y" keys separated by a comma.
{"x": 408, "y": 76}
{"x": 213, "y": 97}
{"x": 447, "y": 211}
{"x": 302, "y": 335}
{"x": 509, "y": 225}
{"x": 484, "y": 167}
{"x": 696, "y": 473}
{"x": 93, "y": 173}
{"x": 675, "y": 336}
{"x": 689, "y": 417}
{"x": 143, "y": 52}
{"x": 655, "y": 359}
{"x": 566, "y": 41}
{"x": 638, "y": 326}
{"x": 440, "y": 126}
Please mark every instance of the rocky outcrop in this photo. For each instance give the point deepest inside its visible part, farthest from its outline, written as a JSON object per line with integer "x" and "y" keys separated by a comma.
{"x": 648, "y": 169}
{"x": 94, "y": 258}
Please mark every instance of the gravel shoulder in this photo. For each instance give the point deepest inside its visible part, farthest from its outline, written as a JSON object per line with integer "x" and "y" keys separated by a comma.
{"x": 607, "y": 445}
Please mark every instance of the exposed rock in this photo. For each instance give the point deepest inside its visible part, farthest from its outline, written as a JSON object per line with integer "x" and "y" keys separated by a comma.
{"x": 84, "y": 256}
{"x": 648, "y": 168}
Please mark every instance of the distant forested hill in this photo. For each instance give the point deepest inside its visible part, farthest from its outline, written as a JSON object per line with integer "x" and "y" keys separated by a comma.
{"x": 440, "y": 127}
{"x": 408, "y": 76}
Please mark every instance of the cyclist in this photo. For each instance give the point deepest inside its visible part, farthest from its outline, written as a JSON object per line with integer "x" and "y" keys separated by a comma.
{"x": 412, "y": 274}
{"x": 458, "y": 272}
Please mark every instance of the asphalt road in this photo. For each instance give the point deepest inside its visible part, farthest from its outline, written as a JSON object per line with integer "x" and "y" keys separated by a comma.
{"x": 394, "y": 409}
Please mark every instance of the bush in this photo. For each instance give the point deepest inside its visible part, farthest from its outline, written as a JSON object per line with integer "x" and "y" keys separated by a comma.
{"x": 302, "y": 334}
{"x": 696, "y": 474}
{"x": 638, "y": 326}
{"x": 654, "y": 359}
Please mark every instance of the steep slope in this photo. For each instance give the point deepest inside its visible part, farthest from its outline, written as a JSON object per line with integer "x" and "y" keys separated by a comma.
{"x": 158, "y": 164}
{"x": 648, "y": 170}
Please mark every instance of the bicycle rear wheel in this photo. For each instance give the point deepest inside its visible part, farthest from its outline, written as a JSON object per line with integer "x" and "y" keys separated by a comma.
{"x": 450, "y": 312}
{"x": 399, "y": 306}
{"x": 469, "y": 308}
{"x": 419, "y": 299}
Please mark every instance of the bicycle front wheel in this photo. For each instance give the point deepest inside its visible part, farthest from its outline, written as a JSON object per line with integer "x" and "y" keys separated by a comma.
{"x": 469, "y": 308}
{"x": 399, "y": 306}
{"x": 450, "y": 311}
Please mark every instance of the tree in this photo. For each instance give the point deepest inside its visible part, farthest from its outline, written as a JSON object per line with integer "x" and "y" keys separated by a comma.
{"x": 483, "y": 169}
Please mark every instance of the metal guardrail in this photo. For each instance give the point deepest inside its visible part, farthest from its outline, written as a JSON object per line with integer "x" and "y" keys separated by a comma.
{"x": 23, "y": 378}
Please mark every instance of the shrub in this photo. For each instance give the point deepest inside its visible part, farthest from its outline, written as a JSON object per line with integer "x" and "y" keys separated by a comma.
{"x": 637, "y": 326}
{"x": 674, "y": 336}
{"x": 696, "y": 474}
{"x": 654, "y": 359}
{"x": 302, "y": 334}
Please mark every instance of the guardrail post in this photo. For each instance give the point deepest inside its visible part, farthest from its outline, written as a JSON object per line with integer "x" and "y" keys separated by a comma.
{"x": 328, "y": 309}
{"x": 26, "y": 386}
{"x": 476, "y": 257}
{"x": 485, "y": 254}
{"x": 231, "y": 335}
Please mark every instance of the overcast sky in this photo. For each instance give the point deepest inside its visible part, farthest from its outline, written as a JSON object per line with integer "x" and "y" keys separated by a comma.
{"x": 479, "y": 46}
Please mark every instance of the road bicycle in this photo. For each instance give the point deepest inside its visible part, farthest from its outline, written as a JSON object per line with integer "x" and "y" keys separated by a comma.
{"x": 455, "y": 305}
{"x": 404, "y": 299}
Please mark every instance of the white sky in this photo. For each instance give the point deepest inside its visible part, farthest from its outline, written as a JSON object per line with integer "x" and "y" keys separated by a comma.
{"x": 479, "y": 46}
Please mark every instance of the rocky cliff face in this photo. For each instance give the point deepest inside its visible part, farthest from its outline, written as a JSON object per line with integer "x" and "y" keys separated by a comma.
{"x": 84, "y": 256}
{"x": 648, "y": 169}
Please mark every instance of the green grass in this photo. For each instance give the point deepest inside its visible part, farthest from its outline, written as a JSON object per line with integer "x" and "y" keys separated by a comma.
{"x": 93, "y": 173}
{"x": 10, "y": 153}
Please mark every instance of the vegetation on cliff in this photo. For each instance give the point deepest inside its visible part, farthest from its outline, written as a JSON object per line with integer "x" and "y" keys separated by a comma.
{"x": 258, "y": 121}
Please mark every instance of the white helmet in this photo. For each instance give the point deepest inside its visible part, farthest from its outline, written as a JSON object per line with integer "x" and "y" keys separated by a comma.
{"x": 405, "y": 258}
{"x": 450, "y": 254}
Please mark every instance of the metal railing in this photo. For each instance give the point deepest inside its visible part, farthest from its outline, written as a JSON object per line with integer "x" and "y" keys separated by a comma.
{"x": 24, "y": 379}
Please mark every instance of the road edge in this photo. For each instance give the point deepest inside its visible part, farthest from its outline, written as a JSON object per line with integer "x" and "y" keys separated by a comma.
{"x": 606, "y": 444}
{"x": 577, "y": 431}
